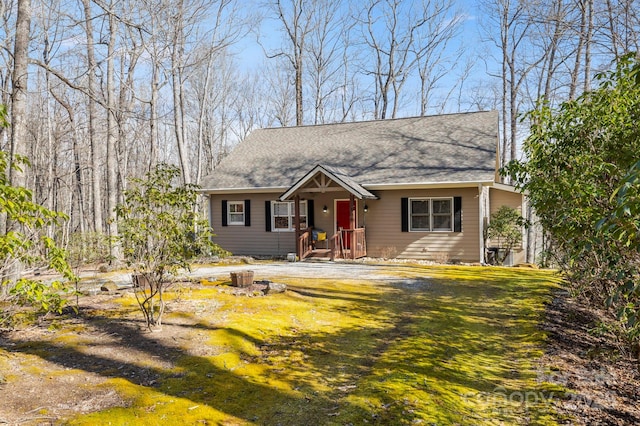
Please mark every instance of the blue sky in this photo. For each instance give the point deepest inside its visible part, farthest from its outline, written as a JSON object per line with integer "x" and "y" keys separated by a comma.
{"x": 250, "y": 55}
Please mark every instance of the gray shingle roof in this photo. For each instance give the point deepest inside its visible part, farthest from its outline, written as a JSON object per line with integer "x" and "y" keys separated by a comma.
{"x": 434, "y": 149}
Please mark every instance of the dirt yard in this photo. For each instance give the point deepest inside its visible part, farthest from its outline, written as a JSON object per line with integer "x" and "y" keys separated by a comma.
{"x": 604, "y": 380}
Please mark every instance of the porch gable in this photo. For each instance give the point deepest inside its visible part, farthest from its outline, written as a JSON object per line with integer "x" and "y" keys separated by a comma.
{"x": 323, "y": 178}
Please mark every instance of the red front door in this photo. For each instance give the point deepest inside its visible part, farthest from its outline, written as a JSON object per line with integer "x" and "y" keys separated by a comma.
{"x": 343, "y": 221}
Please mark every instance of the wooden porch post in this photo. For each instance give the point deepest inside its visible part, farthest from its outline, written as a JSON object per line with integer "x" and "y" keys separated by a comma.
{"x": 352, "y": 224}
{"x": 297, "y": 223}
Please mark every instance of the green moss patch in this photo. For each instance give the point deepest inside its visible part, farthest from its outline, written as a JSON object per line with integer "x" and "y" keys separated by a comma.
{"x": 444, "y": 345}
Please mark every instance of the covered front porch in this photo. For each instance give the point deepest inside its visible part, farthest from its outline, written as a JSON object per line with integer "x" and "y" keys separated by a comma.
{"x": 342, "y": 199}
{"x": 348, "y": 243}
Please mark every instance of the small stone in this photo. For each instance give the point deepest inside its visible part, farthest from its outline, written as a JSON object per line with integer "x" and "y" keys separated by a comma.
{"x": 90, "y": 291}
{"x": 275, "y": 288}
{"x": 527, "y": 265}
{"x": 109, "y": 286}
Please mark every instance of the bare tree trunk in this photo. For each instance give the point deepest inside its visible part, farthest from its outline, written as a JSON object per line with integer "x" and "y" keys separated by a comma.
{"x": 126, "y": 107}
{"x": 584, "y": 6}
{"x": 587, "y": 51}
{"x": 112, "y": 141}
{"x": 204, "y": 104}
{"x": 299, "y": 104}
{"x": 321, "y": 51}
{"x": 97, "y": 151}
{"x": 297, "y": 24}
{"x": 384, "y": 56}
{"x": 433, "y": 50}
{"x": 515, "y": 38}
{"x": 77, "y": 192}
{"x": 19, "y": 131}
{"x": 177, "y": 64}
{"x": 557, "y": 18}
{"x": 504, "y": 44}
{"x": 50, "y": 190}
{"x": 401, "y": 37}
{"x": 348, "y": 91}
{"x": 612, "y": 29}
{"x": 153, "y": 118}
{"x": 154, "y": 52}
{"x": 513, "y": 109}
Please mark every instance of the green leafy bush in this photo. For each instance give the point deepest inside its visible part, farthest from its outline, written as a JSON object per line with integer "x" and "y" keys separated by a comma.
{"x": 44, "y": 297}
{"x": 581, "y": 176}
{"x": 160, "y": 233}
{"x": 25, "y": 244}
{"x": 505, "y": 230}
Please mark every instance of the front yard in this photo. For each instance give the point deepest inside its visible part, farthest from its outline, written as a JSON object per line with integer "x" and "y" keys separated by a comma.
{"x": 418, "y": 345}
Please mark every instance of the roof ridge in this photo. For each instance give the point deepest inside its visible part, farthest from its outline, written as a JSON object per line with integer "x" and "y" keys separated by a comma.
{"x": 376, "y": 120}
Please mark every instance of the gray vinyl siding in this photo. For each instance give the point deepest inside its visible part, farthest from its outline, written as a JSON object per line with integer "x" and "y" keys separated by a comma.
{"x": 251, "y": 240}
{"x": 384, "y": 225}
{"x": 254, "y": 240}
{"x": 499, "y": 198}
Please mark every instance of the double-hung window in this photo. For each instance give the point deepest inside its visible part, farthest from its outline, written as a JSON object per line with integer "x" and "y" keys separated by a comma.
{"x": 283, "y": 215}
{"x": 235, "y": 211}
{"x": 431, "y": 214}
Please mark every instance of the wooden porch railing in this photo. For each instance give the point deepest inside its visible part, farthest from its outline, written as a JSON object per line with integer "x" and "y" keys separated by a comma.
{"x": 304, "y": 246}
{"x": 338, "y": 246}
{"x": 335, "y": 245}
{"x": 358, "y": 244}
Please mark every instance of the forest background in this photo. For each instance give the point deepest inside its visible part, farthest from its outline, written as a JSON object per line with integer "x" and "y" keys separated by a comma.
{"x": 100, "y": 91}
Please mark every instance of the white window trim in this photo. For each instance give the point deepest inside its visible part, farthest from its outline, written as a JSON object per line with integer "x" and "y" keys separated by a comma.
{"x": 291, "y": 215}
{"x": 431, "y": 214}
{"x": 229, "y": 213}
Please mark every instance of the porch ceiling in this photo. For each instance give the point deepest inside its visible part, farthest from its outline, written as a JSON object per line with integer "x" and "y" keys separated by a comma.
{"x": 323, "y": 178}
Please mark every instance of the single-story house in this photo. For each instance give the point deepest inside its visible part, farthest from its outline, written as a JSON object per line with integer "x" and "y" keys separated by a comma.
{"x": 416, "y": 188}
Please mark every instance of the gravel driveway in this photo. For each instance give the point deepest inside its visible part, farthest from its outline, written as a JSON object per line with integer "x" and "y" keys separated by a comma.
{"x": 91, "y": 281}
{"x": 299, "y": 270}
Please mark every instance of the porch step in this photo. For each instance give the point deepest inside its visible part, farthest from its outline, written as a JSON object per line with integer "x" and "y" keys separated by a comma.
{"x": 320, "y": 254}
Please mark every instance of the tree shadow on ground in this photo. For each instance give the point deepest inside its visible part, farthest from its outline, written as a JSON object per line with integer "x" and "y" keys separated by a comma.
{"x": 193, "y": 377}
{"x": 455, "y": 344}
{"x": 412, "y": 340}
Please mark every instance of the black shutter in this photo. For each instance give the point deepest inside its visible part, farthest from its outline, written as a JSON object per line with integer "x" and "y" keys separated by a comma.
{"x": 224, "y": 213}
{"x": 404, "y": 211}
{"x": 457, "y": 214}
{"x": 247, "y": 212}
{"x": 267, "y": 215}
{"x": 310, "y": 214}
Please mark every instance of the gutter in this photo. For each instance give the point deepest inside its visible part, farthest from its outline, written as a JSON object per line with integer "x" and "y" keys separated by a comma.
{"x": 371, "y": 187}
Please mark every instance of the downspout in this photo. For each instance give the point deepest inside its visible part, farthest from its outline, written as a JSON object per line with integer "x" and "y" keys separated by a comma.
{"x": 297, "y": 220}
{"x": 352, "y": 225}
{"x": 209, "y": 207}
{"x": 481, "y": 223}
